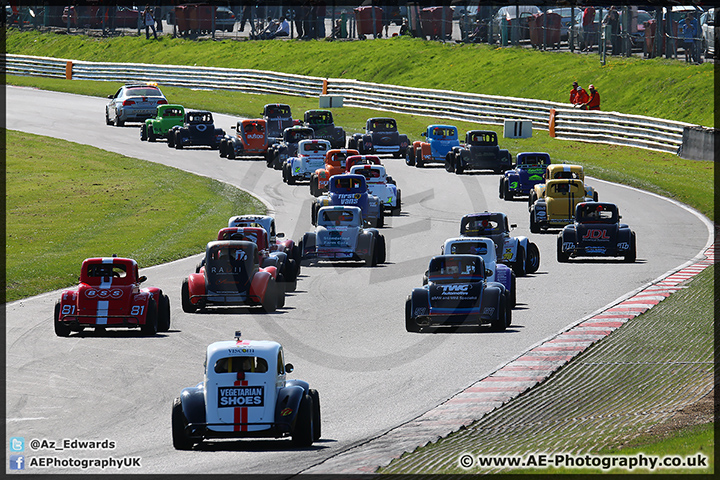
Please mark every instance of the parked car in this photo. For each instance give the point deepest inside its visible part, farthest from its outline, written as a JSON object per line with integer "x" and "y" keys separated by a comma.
{"x": 565, "y": 20}
{"x": 224, "y": 19}
{"x": 245, "y": 393}
{"x": 125, "y": 17}
{"x": 707, "y": 23}
{"x": 133, "y": 103}
{"x": 109, "y": 296}
{"x": 596, "y": 232}
{"x": 457, "y": 293}
{"x": 509, "y": 14}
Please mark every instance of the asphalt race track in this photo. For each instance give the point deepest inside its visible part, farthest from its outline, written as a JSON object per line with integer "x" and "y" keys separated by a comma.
{"x": 343, "y": 328}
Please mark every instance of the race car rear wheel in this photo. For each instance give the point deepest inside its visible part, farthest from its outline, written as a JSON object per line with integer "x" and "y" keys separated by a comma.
{"x": 632, "y": 252}
{"x": 410, "y": 323}
{"x": 303, "y": 433}
{"x": 534, "y": 226}
{"x": 418, "y": 158}
{"x": 151, "y": 319}
{"x": 178, "y": 141}
{"x": 314, "y": 186}
{"x": 500, "y": 323}
{"x": 317, "y": 427}
{"x": 352, "y": 143}
{"x": 519, "y": 265}
{"x": 171, "y": 139}
{"x": 501, "y": 192}
{"x": 450, "y": 162}
{"x": 513, "y": 291}
{"x": 164, "y": 313}
{"x": 61, "y": 329}
{"x": 395, "y": 211}
{"x": 230, "y": 150}
{"x": 180, "y": 438}
{"x": 562, "y": 257}
{"x": 410, "y": 157}
{"x": 151, "y": 137}
{"x": 270, "y": 299}
{"x": 533, "y": 258}
{"x": 507, "y": 194}
{"x": 280, "y": 290}
{"x": 187, "y": 305}
{"x": 292, "y": 270}
{"x": 143, "y": 132}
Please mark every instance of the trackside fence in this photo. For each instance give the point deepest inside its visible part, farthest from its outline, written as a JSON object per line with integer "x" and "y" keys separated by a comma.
{"x": 562, "y": 122}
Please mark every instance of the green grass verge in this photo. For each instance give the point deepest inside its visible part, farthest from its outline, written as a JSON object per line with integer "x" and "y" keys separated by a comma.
{"x": 655, "y": 87}
{"x": 689, "y": 181}
{"x": 67, "y": 202}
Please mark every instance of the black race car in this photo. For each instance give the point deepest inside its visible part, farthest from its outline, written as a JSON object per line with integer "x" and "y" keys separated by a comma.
{"x": 596, "y": 232}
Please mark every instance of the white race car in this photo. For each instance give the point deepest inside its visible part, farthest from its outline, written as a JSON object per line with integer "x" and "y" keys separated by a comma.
{"x": 484, "y": 247}
{"x": 381, "y": 185}
{"x": 245, "y": 393}
{"x": 310, "y": 157}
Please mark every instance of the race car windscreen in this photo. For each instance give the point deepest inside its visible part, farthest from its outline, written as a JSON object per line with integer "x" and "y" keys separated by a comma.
{"x": 484, "y": 139}
{"x": 385, "y": 125}
{"x": 98, "y": 270}
{"x": 337, "y": 217}
{"x": 241, "y": 364}
{"x": 173, "y": 112}
{"x": 596, "y": 214}
{"x": 278, "y": 112}
{"x": 314, "y": 147}
{"x": 444, "y": 132}
{"x": 469, "y": 248}
{"x": 200, "y": 118}
{"x": 456, "y": 269}
{"x": 482, "y": 226}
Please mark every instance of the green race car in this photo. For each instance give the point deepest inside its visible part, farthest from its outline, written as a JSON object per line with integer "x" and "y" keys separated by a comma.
{"x": 167, "y": 117}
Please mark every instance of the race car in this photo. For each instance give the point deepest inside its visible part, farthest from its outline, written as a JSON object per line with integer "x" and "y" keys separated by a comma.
{"x": 522, "y": 255}
{"x": 348, "y": 189}
{"x": 529, "y": 170}
{"x": 381, "y": 185}
{"x": 361, "y": 160}
{"x": 596, "y": 232}
{"x": 245, "y": 393}
{"x": 310, "y": 157}
{"x": 556, "y": 207}
{"x": 561, "y": 170}
{"x": 133, "y": 103}
{"x": 287, "y": 146}
{"x": 232, "y": 276}
{"x": 197, "y": 129}
{"x": 381, "y": 136}
{"x": 168, "y": 116}
{"x": 322, "y": 123}
{"x": 335, "y": 161}
{"x": 439, "y": 141}
{"x": 479, "y": 152}
{"x": 277, "y": 240}
{"x": 485, "y": 248}
{"x": 109, "y": 296}
{"x": 287, "y": 268}
{"x": 277, "y": 117}
{"x": 457, "y": 293}
{"x": 251, "y": 139}
{"x": 340, "y": 235}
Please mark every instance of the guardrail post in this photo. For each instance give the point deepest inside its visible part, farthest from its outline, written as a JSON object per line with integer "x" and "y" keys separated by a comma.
{"x": 551, "y": 123}
{"x": 68, "y": 70}
{"x": 325, "y": 85}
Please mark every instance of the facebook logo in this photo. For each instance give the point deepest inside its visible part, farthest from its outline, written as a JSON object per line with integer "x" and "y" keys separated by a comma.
{"x": 17, "y": 444}
{"x": 17, "y": 462}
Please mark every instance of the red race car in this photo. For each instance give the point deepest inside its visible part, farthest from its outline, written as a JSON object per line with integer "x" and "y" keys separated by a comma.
{"x": 231, "y": 276}
{"x": 109, "y": 295}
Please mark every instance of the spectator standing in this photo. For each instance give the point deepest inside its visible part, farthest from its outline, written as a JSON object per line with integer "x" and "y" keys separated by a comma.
{"x": 588, "y": 23}
{"x": 613, "y": 19}
{"x": 688, "y": 28}
{"x": 245, "y": 16}
{"x": 593, "y": 102}
{"x": 149, "y": 22}
{"x": 320, "y": 9}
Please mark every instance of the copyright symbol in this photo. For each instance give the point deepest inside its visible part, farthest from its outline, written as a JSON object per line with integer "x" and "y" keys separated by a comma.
{"x": 34, "y": 444}
{"x": 466, "y": 460}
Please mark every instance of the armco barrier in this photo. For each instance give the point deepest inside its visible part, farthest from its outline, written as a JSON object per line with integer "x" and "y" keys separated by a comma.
{"x": 567, "y": 123}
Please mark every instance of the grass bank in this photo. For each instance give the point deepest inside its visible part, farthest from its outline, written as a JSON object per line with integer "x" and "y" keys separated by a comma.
{"x": 67, "y": 202}
{"x": 655, "y": 87}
